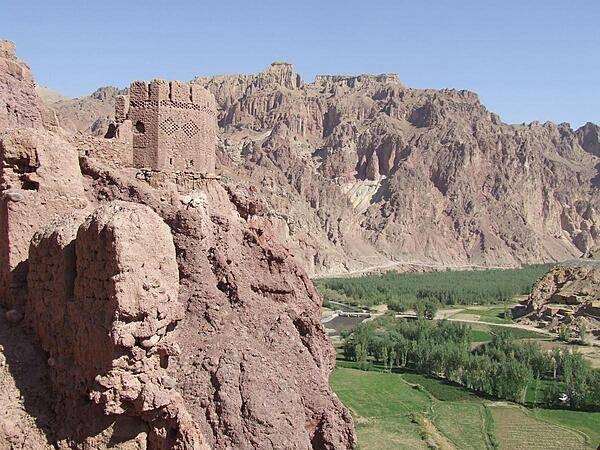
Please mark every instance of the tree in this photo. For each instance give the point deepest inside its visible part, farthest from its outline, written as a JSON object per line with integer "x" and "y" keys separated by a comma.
{"x": 563, "y": 333}
{"x": 430, "y": 308}
{"x": 583, "y": 332}
{"x": 420, "y": 310}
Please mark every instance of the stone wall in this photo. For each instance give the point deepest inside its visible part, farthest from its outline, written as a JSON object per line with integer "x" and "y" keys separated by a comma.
{"x": 116, "y": 152}
{"x": 173, "y": 126}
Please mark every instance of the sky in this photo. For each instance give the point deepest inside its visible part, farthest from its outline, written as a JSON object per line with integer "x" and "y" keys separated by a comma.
{"x": 528, "y": 59}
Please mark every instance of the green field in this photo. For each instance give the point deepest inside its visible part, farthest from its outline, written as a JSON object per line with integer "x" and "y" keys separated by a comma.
{"x": 587, "y": 422}
{"x": 493, "y": 314}
{"x": 516, "y": 333}
{"x": 467, "y": 433}
{"x": 514, "y": 428}
{"x": 480, "y": 335}
{"x": 383, "y": 405}
{"x": 440, "y": 390}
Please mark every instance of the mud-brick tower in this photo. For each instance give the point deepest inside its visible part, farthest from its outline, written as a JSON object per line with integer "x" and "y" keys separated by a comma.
{"x": 173, "y": 125}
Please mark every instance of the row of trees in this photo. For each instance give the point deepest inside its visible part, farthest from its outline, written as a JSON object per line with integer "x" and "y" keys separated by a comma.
{"x": 402, "y": 291}
{"x": 504, "y": 368}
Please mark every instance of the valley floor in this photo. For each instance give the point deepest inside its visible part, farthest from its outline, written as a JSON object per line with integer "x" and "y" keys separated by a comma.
{"x": 411, "y": 411}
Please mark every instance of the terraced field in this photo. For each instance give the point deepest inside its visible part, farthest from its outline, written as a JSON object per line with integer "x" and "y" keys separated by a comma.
{"x": 406, "y": 411}
{"x": 515, "y": 428}
{"x": 381, "y": 404}
{"x": 469, "y": 432}
{"x": 586, "y": 422}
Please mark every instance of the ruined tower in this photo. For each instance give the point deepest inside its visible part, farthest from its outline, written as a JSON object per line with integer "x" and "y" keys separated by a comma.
{"x": 173, "y": 125}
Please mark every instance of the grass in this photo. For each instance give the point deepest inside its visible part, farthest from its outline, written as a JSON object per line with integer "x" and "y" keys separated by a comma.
{"x": 480, "y": 335}
{"x": 469, "y": 432}
{"x": 377, "y": 394}
{"x": 384, "y": 404}
{"x": 439, "y": 389}
{"x": 517, "y": 333}
{"x": 586, "y": 422}
{"x": 381, "y": 404}
{"x": 514, "y": 428}
{"x": 491, "y": 315}
{"x": 541, "y": 386}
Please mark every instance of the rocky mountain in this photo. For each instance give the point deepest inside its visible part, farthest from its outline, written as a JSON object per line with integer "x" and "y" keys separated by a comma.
{"x": 400, "y": 174}
{"x": 88, "y": 114}
{"x": 48, "y": 95}
{"x": 20, "y": 104}
{"x": 567, "y": 296}
{"x": 132, "y": 317}
{"x": 362, "y": 172}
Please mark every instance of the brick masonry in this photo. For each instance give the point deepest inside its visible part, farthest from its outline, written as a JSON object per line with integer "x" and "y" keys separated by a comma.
{"x": 172, "y": 126}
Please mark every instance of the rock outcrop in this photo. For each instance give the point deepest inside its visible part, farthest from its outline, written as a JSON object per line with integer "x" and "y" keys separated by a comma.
{"x": 104, "y": 313}
{"x": 150, "y": 310}
{"x": 20, "y": 105}
{"x": 39, "y": 179}
{"x": 251, "y": 315}
{"x": 565, "y": 296}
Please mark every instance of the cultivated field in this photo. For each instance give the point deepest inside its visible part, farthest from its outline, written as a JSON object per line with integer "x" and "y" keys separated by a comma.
{"x": 406, "y": 411}
{"x": 514, "y": 428}
{"x": 381, "y": 404}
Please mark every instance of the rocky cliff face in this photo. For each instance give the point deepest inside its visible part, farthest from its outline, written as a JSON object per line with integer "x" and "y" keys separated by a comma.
{"x": 361, "y": 172}
{"x": 39, "y": 179}
{"x": 391, "y": 173}
{"x": 140, "y": 314}
{"x": 251, "y": 315}
{"x": 19, "y": 103}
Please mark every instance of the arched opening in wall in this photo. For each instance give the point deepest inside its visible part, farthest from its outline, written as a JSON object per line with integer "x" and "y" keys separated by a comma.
{"x": 111, "y": 132}
{"x": 140, "y": 127}
{"x": 171, "y": 161}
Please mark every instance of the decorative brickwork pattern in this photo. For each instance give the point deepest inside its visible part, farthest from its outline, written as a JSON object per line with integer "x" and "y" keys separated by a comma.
{"x": 173, "y": 124}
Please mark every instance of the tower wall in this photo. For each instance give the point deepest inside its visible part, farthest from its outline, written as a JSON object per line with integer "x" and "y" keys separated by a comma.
{"x": 174, "y": 126}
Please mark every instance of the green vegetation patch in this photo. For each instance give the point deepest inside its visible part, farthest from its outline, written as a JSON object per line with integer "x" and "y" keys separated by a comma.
{"x": 463, "y": 423}
{"x": 491, "y": 315}
{"x": 514, "y": 428}
{"x": 514, "y": 332}
{"x": 439, "y": 389}
{"x": 384, "y": 404}
{"x": 376, "y": 394}
{"x": 586, "y": 422}
{"x": 381, "y": 404}
{"x": 479, "y": 335}
{"x": 401, "y": 290}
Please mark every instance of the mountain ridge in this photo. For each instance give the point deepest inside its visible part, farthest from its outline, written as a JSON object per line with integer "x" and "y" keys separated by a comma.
{"x": 360, "y": 171}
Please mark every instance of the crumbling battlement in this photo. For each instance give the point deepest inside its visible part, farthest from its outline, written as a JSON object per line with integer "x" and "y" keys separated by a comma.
{"x": 172, "y": 126}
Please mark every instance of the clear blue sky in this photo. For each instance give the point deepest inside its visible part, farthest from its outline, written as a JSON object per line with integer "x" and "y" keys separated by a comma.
{"x": 527, "y": 59}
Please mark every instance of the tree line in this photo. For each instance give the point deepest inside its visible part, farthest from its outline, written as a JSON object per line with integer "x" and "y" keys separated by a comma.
{"x": 402, "y": 291}
{"x": 504, "y": 368}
